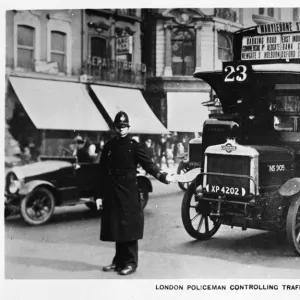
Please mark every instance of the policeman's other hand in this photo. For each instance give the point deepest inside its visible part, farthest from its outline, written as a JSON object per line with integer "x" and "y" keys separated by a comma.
{"x": 99, "y": 203}
{"x": 171, "y": 178}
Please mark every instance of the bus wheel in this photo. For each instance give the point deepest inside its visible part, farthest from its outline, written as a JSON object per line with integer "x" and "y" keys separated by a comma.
{"x": 196, "y": 215}
{"x": 293, "y": 225}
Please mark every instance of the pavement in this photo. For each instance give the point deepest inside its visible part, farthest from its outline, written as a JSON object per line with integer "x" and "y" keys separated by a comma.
{"x": 76, "y": 261}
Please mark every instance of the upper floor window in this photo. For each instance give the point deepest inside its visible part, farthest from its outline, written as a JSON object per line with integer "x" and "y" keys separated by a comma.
{"x": 296, "y": 14}
{"x": 25, "y": 46}
{"x": 224, "y": 46}
{"x": 128, "y": 12}
{"x": 58, "y": 49}
{"x": 183, "y": 51}
{"x": 266, "y": 11}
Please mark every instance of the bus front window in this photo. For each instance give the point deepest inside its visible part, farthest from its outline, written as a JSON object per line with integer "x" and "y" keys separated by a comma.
{"x": 286, "y": 109}
{"x": 285, "y": 123}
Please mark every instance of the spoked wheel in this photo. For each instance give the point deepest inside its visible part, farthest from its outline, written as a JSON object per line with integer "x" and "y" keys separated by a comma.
{"x": 143, "y": 196}
{"x": 196, "y": 215}
{"x": 182, "y": 169}
{"x": 38, "y": 206}
{"x": 293, "y": 225}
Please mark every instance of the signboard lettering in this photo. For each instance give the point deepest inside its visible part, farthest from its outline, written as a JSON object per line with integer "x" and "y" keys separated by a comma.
{"x": 124, "y": 45}
{"x": 278, "y": 27}
{"x": 228, "y": 148}
{"x": 285, "y": 46}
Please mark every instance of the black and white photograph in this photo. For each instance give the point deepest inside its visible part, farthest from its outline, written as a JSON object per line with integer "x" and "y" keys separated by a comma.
{"x": 155, "y": 143}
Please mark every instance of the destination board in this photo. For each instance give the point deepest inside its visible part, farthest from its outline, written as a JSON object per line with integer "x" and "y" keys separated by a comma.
{"x": 276, "y": 46}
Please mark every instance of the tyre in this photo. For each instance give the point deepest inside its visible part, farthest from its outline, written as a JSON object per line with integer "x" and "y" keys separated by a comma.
{"x": 196, "y": 215}
{"x": 38, "y": 206}
{"x": 143, "y": 196}
{"x": 91, "y": 205}
{"x": 182, "y": 169}
{"x": 293, "y": 225}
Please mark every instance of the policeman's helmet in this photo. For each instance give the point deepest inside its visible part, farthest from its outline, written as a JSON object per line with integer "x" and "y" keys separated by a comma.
{"x": 121, "y": 119}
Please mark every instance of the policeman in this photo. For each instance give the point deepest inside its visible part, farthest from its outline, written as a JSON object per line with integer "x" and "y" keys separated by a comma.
{"x": 122, "y": 219}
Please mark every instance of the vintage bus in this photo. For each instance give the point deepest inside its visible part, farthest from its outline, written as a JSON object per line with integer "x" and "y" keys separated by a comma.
{"x": 250, "y": 158}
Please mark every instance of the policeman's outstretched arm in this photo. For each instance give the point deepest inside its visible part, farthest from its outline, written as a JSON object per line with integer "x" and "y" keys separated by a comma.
{"x": 150, "y": 167}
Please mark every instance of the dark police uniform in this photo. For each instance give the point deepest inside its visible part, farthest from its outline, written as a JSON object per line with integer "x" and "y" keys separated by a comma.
{"x": 122, "y": 218}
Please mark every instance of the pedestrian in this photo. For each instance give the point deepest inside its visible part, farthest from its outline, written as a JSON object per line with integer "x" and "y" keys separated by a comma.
{"x": 81, "y": 152}
{"x": 122, "y": 218}
{"x": 163, "y": 151}
{"x": 149, "y": 149}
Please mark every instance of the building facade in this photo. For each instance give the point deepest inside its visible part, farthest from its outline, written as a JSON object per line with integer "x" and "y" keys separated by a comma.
{"x": 55, "y": 57}
{"x": 179, "y": 42}
{"x": 57, "y": 60}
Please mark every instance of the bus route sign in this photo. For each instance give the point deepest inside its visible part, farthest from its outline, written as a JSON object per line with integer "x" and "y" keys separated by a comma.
{"x": 279, "y": 41}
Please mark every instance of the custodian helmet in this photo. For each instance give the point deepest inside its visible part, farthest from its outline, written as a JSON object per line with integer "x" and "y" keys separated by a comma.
{"x": 121, "y": 119}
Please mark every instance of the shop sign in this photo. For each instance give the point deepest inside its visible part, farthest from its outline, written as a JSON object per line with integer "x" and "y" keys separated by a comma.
{"x": 124, "y": 45}
{"x": 285, "y": 46}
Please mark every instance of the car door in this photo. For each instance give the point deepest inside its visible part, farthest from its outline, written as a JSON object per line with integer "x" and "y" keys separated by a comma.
{"x": 87, "y": 178}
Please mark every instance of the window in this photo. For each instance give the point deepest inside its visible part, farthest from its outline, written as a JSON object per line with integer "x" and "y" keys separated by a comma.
{"x": 269, "y": 11}
{"x": 285, "y": 105}
{"x": 295, "y": 14}
{"x": 183, "y": 52}
{"x": 98, "y": 49}
{"x": 128, "y": 12}
{"x": 224, "y": 46}
{"x": 25, "y": 46}
{"x": 58, "y": 49}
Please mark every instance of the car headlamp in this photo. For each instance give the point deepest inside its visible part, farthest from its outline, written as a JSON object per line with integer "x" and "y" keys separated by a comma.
{"x": 13, "y": 184}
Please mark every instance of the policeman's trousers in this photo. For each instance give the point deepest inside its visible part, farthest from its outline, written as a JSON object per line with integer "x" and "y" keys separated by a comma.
{"x": 126, "y": 254}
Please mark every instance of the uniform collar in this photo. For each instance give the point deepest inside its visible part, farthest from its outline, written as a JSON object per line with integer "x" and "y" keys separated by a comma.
{"x": 122, "y": 139}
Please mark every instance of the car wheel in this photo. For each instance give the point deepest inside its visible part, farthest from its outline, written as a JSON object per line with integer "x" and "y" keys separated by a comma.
{"x": 143, "y": 196}
{"x": 38, "y": 206}
{"x": 196, "y": 215}
{"x": 91, "y": 205}
{"x": 293, "y": 225}
{"x": 182, "y": 169}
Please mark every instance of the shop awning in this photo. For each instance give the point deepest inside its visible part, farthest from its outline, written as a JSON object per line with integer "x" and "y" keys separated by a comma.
{"x": 58, "y": 105}
{"x": 141, "y": 117}
{"x": 186, "y": 112}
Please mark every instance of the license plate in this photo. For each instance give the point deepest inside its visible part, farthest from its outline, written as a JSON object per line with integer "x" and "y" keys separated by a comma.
{"x": 225, "y": 190}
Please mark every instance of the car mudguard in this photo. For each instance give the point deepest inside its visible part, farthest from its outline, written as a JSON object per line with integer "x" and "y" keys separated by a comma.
{"x": 146, "y": 181}
{"x": 290, "y": 188}
{"x": 30, "y": 186}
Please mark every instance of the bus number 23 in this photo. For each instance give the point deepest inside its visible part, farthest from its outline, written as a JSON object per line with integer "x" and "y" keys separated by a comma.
{"x": 238, "y": 73}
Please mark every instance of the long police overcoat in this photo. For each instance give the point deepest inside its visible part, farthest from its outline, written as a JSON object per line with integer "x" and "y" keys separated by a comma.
{"x": 122, "y": 217}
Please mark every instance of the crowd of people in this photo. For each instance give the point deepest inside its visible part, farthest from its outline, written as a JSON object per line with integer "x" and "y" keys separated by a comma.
{"x": 164, "y": 149}
{"x": 169, "y": 148}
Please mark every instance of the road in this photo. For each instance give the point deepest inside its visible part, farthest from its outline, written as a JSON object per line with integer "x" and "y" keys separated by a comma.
{"x": 69, "y": 248}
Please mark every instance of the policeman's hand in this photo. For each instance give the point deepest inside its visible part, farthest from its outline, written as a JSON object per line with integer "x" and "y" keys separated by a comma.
{"x": 99, "y": 203}
{"x": 171, "y": 178}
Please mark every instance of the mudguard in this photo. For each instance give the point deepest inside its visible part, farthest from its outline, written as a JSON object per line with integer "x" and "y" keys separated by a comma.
{"x": 30, "y": 186}
{"x": 290, "y": 188}
{"x": 145, "y": 180}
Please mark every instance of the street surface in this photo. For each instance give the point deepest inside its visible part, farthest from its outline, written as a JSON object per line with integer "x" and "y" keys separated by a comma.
{"x": 68, "y": 247}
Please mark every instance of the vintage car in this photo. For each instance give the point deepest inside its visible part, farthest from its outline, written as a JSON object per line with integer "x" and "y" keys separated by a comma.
{"x": 34, "y": 190}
